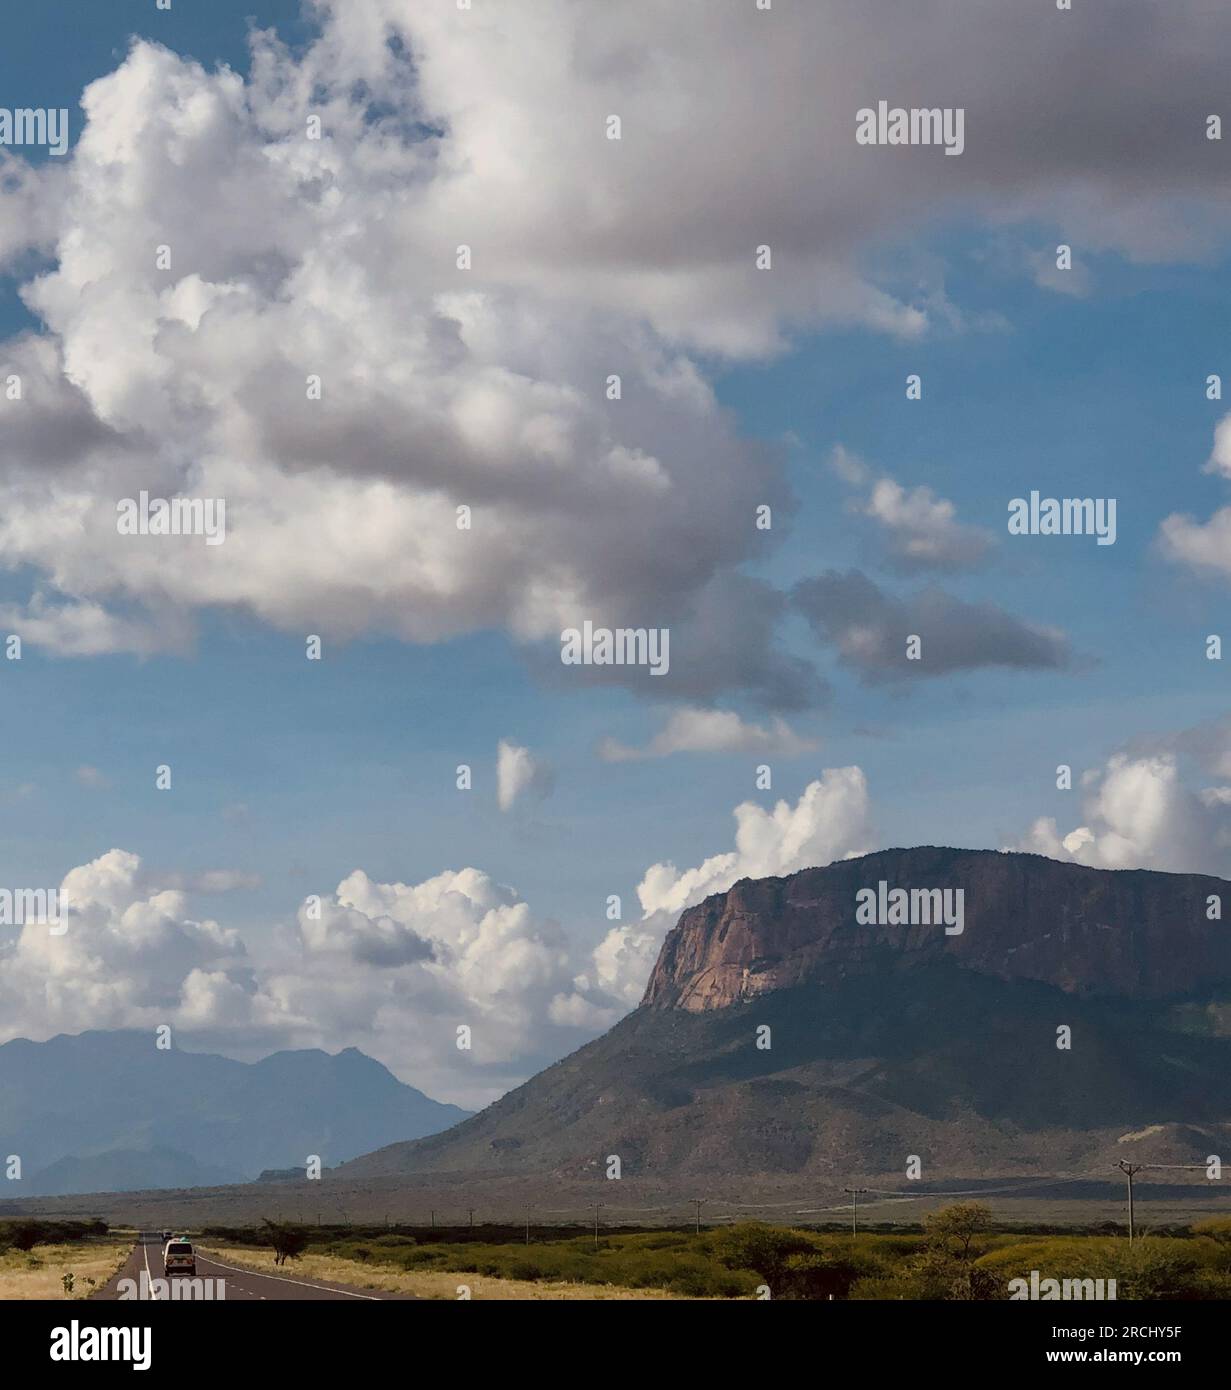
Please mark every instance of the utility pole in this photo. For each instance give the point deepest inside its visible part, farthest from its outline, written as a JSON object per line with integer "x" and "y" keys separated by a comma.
{"x": 1128, "y": 1169}
{"x": 471, "y": 1211}
{"x": 597, "y": 1208}
{"x": 433, "y": 1218}
{"x": 527, "y": 1225}
{"x": 855, "y": 1192}
{"x": 698, "y": 1201}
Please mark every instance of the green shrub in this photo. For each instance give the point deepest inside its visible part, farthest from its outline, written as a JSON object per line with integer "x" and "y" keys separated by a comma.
{"x": 1151, "y": 1267}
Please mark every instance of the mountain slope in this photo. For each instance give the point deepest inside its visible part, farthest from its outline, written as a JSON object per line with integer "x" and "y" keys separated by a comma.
{"x": 70, "y": 1103}
{"x": 886, "y": 1042}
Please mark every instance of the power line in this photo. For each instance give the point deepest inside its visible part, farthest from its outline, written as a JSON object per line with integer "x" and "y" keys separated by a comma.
{"x": 884, "y": 1196}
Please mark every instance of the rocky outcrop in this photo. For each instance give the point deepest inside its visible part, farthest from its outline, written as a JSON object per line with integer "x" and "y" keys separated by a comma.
{"x": 1132, "y": 933}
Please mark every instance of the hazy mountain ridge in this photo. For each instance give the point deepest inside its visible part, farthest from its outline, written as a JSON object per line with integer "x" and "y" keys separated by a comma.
{"x": 94, "y": 1107}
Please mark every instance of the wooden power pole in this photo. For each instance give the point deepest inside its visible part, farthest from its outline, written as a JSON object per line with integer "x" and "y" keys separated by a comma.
{"x": 855, "y": 1191}
{"x": 1129, "y": 1169}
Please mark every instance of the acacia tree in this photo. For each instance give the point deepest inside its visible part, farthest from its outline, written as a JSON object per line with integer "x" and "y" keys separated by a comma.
{"x": 289, "y": 1242}
{"x": 947, "y": 1265}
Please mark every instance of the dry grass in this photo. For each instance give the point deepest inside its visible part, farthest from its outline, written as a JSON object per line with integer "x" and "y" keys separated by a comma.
{"x": 38, "y": 1273}
{"x": 330, "y": 1269}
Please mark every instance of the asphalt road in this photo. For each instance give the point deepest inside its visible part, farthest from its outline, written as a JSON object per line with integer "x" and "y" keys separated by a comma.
{"x": 146, "y": 1258}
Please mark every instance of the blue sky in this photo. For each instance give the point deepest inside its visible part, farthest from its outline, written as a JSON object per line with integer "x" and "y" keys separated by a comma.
{"x": 298, "y": 774}
{"x": 324, "y": 788}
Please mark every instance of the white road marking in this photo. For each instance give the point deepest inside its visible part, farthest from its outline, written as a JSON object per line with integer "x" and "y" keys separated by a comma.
{"x": 303, "y": 1283}
{"x": 145, "y": 1250}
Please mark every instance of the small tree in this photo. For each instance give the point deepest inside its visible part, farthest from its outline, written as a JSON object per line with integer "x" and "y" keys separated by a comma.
{"x": 947, "y": 1267}
{"x": 954, "y": 1228}
{"x": 26, "y": 1234}
{"x": 289, "y": 1242}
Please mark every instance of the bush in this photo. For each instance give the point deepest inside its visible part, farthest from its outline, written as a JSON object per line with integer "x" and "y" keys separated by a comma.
{"x": 797, "y": 1264}
{"x": 26, "y": 1234}
{"x": 1152, "y": 1267}
{"x": 764, "y": 1249}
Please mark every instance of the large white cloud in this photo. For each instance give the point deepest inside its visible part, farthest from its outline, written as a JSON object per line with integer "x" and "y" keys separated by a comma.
{"x": 666, "y": 219}
{"x": 487, "y": 388}
{"x": 1139, "y": 813}
{"x": 120, "y": 960}
{"x": 292, "y": 258}
{"x": 831, "y": 820}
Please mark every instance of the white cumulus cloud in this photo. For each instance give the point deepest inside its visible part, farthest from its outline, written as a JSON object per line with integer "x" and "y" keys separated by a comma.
{"x": 831, "y": 820}
{"x": 694, "y": 730}
{"x": 518, "y": 771}
{"x": 917, "y": 530}
{"x": 1138, "y": 813}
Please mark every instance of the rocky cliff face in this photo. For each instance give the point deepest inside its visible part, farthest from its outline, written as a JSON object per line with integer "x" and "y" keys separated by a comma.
{"x": 1132, "y": 933}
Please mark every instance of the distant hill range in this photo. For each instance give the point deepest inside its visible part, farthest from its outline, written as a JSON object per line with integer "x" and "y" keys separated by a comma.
{"x": 109, "y": 1112}
{"x": 782, "y": 1036}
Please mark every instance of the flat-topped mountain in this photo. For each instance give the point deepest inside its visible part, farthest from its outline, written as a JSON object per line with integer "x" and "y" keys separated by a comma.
{"x": 1133, "y": 933}
{"x": 1077, "y": 1018}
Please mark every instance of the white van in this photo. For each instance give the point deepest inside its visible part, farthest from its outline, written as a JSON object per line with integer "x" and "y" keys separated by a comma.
{"x": 178, "y": 1257}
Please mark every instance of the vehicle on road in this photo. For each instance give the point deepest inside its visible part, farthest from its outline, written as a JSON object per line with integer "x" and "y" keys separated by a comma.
{"x": 178, "y": 1257}
{"x": 167, "y": 1235}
